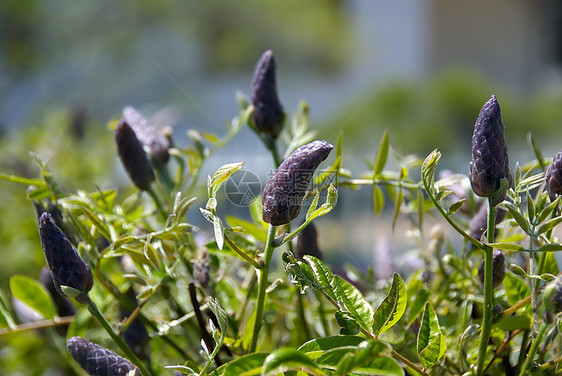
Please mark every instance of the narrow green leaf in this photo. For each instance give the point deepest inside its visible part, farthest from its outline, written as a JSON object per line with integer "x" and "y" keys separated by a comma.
{"x": 428, "y": 170}
{"x": 98, "y": 224}
{"x": 463, "y": 343}
{"x": 33, "y": 294}
{"x": 313, "y": 205}
{"x": 324, "y": 277}
{"x": 530, "y": 207}
{"x": 548, "y": 210}
{"x": 22, "y": 180}
{"x": 515, "y": 289}
{"x": 316, "y": 347}
{"x": 517, "y": 175}
{"x": 431, "y": 343}
{"x": 456, "y": 206}
{"x": 397, "y": 205}
{"x": 219, "y": 232}
{"x": 392, "y": 307}
{"x": 537, "y": 151}
{"x": 551, "y": 264}
{"x": 6, "y": 319}
{"x": 442, "y": 194}
{"x": 247, "y": 365}
{"x": 512, "y": 247}
{"x": 287, "y": 358}
{"x": 220, "y": 313}
{"x": 382, "y": 154}
{"x": 554, "y": 247}
{"x": 38, "y": 193}
{"x": 356, "y": 303}
{"x": 549, "y": 225}
{"x": 418, "y": 305}
{"x": 519, "y": 218}
{"x": 378, "y": 199}
{"x": 222, "y": 175}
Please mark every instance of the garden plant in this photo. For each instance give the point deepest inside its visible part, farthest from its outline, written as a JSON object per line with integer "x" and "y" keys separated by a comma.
{"x": 131, "y": 289}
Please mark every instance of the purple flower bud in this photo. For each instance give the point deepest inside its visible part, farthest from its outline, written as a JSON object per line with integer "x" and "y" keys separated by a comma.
{"x": 268, "y": 115}
{"x": 133, "y": 156}
{"x": 157, "y": 143}
{"x": 498, "y": 267}
{"x": 98, "y": 361}
{"x": 554, "y": 177}
{"x": 490, "y": 161}
{"x": 67, "y": 268}
{"x": 307, "y": 243}
{"x": 283, "y": 194}
{"x": 64, "y": 306}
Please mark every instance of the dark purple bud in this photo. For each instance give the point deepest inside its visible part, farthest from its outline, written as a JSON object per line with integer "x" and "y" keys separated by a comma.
{"x": 307, "y": 243}
{"x": 98, "y": 361}
{"x": 133, "y": 157}
{"x": 479, "y": 222}
{"x": 283, "y": 194}
{"x": 490, "y": 161}
{"x": 201, "y": 267}
{"x": 268, "y": 116}
{"x": 157, "y": 143}
{"x": 554, "y": 177}
{"x": 553, "y": 296}
{"x": 67, "y": 268}
{"x": 498, "y": 267}
{"x": 64, "y": 306}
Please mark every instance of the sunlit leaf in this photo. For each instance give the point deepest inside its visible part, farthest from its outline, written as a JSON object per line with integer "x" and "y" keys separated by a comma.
{"x": 356, "y": 303}
{"x": 515, "y": 289}
{"x": 378, "y": 199}
{"x": 287, "y": 358}
{"x": 324, "y": 277}
{"x": 33, "y": 294}
{"x": 431, "y": 343}
{"x": 247, "y": 365}
{"x": 382, "y": 154}
{"x": 392, "y": 307}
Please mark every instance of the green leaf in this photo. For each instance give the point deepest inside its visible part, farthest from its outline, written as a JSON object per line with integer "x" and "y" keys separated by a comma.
{"x": 382, "y": 154}
{"x": 33, "y": 294}
{"x": 247, "y": 365}
{"x": 519, "y": 218}
{"x": 551, "y": 264}
{"x": 537, "y": 150}
{"x": 356, "y": 303}
{"x": 220, "y": 313}
{"x": 442, "y": 194}
{"x": 548, "y": 210}
{"x": 513, "y": 247}
{"x": 530, "y": 207}
{"x": 418, "y": 305}
{"x": 455, "y": 207}
{"x": 313, "y": 205}
{"x": 515, "y": 289}
{"x": 222, "y": 175}
{"x": 463, "y": 343}
{"x": 331, "y": 200}
{"x": 398, "y": 204}
{"x": 421, "y": 208}
{"x": 22, "y": 180}
{"x": 428, "y": 170}
{"x": 553, "y": 247}
{"x": 549, "y": 225}
{"x": 515, "y": 322}
{"x": 324, "y": 277}
{"x": 316, "y": 347}
{"x": 6, "y": 319}
{"x": 431, "y": 343}
{"x": 348, "y": 324}
{"x": 219, "y": 232}
{"x": 98, "y": 224}
{"x": 378, "y": 199}
{"x": 287, "y": 358}
{"x": 392, "y": 307}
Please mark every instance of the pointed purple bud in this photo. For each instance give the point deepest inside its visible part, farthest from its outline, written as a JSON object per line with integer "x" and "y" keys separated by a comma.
{"x": 157, "y": 143}
{"x": 133, "y": 156}
{"x": 307, "y": 243}
{"x": 554, "y": 177}
{"x": 98, "y": 361}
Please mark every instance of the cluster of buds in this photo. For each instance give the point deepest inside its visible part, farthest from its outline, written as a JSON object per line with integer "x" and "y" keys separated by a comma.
{"x": 554, "y": 177}
{"x": 307, "y": 243}
{"x": 490, "y": 161}
{"x": 283, "y": 194}
{"x": 498, "y": 268}
{"x": 98, "y": 361}
{"x": 67, "y": 268}
{"x": 268, "y": 115}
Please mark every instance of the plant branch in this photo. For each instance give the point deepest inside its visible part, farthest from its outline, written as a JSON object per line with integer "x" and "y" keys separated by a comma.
{"x": 38, "y": 325}
{"x": 241, "y": 253}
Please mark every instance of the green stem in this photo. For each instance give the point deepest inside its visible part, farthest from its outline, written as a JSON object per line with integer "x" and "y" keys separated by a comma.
{"x": 488, "y": 290}
{"x": 37, "y": 325}
{"x": 263, "y": 273}
{"x": 532, "y": 272}
{"x": 93, "y": 308}
{"x": 522, "y": 351}
{"x": 241, "y": 253}
{"x": 157, "y": 202}
{"x": 533, "y": 350}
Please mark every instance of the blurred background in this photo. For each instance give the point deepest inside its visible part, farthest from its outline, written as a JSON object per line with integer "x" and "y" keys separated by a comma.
{"x": 421, "y": 69}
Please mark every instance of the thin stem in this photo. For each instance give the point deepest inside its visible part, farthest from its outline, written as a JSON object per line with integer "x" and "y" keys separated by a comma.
{"x": 263, "y": 273}
{"x": 37, "y": 325}
{"x": 488, "y": 290}
{"x": 394, "y": 183}
{"x": 516, "y": 306}
{"x": 533, "y": 283}
{"x": 533, "y": 349}
{"x": 93, "y": 308}
{"x": 522, "y": 351}
{"x": 241, "y": 253}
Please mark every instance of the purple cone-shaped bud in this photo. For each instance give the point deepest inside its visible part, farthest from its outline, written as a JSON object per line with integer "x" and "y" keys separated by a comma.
{"x": 307, "y": 243}
{"x": 67, "y": 268}
{"x": 554, "y": 176}
{"x": 133, "y": 156}
{"x": 283, "y": 194}
{"x": 268, "y": 115}
{"x": 98, "y": 361}
{"x": 157, "y": 143}
{"x": 490, "y": 161}
{"x": 498, "y": 267}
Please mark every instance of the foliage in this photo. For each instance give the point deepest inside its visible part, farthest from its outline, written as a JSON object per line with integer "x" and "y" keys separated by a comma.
{"x": 221, "y": 307}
